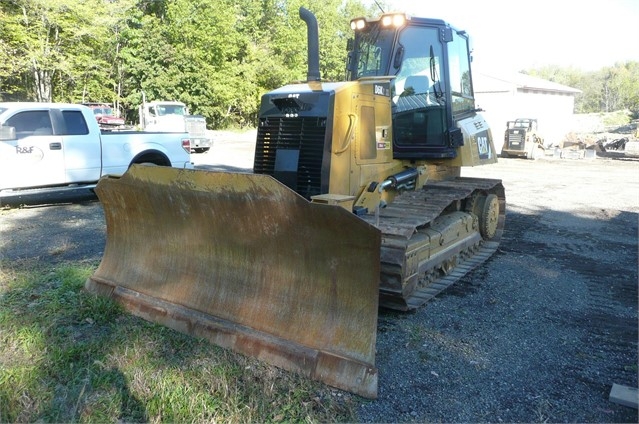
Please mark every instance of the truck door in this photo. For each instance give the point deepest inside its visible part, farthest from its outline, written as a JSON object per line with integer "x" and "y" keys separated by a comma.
{"x": 82, "y": 147}
{"x": 35, "y": 157}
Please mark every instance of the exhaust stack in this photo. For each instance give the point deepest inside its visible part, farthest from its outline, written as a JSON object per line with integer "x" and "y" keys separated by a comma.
{"x": 313, "y": 73}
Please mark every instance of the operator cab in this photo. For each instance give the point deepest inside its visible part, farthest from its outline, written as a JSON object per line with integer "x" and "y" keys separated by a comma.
{"x": 431, "y": 90}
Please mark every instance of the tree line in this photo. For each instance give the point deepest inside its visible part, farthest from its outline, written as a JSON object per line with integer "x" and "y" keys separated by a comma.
{"x": 609, "y": 89}
{"x": 217, "y": 56}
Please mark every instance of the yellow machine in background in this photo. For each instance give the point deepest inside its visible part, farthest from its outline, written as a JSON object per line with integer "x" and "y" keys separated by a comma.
{"x": 356, "y": 200}
{"x": 522, "y": 139}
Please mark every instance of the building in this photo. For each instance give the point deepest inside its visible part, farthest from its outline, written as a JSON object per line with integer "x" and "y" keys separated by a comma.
{"x": 506, "y": 98}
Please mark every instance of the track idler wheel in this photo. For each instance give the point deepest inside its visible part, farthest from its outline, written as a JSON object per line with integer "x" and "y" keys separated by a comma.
{"x": 486, "y": 208}
{"x": 489, "y": 217}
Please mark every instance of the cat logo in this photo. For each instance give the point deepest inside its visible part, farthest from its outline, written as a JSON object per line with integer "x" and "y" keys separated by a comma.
{"x": 483, "y": 145}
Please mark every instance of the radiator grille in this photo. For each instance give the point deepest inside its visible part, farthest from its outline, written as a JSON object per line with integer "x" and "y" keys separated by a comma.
{"x": 305, "y": 135}
{"x": 516, "y": 141}
{"x": 196, "y": 128}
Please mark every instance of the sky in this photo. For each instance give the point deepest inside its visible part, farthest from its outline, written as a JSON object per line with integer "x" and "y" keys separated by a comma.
{"x": 513, "y": 35}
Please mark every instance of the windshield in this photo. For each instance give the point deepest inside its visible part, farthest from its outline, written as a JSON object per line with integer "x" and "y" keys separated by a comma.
{"x": 171, "y": 110}
{"x": 373, "y": 51}
{"x": 103, "y": 111}
{"x": 520, "y": 124}
{"x": 420, "y": 71}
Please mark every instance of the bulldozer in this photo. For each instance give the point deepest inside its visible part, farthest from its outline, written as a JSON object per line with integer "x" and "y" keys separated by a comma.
{"x": 356, "y": 202}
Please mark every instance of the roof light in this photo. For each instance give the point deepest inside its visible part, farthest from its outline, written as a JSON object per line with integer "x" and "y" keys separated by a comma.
{"x": 399, "y": 20}
{"x": 395, "y": 19}
{"x": 358, "y": 24}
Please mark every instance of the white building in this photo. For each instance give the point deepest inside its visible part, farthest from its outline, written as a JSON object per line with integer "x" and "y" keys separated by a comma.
{"x": 506, "y": 98}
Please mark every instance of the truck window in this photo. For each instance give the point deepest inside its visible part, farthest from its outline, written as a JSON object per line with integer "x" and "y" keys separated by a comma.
{"x": 74, "y": 123}
{"x": 31, "y": 122}
{"x": 460, "y": 81}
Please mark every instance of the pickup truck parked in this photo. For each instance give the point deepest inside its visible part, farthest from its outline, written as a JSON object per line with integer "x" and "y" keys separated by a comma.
{"x": 48, "y": 147}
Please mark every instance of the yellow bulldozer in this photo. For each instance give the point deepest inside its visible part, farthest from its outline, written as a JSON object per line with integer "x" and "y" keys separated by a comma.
{"x": 355, "y": 202}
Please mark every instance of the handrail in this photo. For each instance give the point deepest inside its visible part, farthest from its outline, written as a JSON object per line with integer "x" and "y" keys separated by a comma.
{"x": 349, "y": 134}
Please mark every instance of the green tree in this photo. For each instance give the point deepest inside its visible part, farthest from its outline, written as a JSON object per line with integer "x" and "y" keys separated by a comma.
{"x": 183, "y": 50}
{"x": 218, "y": 56}
{"x": 624, "y": 80}
{"x": 606, "y": 90}
{"x": 53, "y": 47}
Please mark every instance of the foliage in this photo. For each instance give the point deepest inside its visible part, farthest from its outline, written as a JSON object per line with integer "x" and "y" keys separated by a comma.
{"x": 57, "y": 49}
{"x": 217, "y": 56}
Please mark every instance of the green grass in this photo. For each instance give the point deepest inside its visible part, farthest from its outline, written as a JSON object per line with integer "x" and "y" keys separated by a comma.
{"x": 69, "y": 356}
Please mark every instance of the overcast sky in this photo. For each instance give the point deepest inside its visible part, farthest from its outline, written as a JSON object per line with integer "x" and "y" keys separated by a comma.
{"x": 515, "y": 35}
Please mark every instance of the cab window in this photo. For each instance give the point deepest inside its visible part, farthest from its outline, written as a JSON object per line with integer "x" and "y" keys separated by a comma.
{"x": 74, "y": 123}
{"x": 31, "y": 122}
{"x": 460, "y": 81}
{"x": 418, "y": 104}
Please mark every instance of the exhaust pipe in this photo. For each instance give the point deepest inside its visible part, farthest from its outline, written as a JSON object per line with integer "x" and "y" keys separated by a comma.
{"x": 313, "y": 73}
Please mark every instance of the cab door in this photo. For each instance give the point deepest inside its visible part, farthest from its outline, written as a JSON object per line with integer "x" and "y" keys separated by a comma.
{"x": 34, "y": 158}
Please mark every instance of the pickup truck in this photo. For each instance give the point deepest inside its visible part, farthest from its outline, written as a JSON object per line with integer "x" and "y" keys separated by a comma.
{"x": 55, "y": 147}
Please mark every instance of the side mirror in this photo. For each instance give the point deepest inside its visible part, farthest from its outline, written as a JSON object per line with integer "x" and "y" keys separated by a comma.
{"x": 7, "y": 133}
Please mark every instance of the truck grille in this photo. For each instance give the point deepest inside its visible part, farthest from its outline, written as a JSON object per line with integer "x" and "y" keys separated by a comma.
{"x": 516, "y": 141}
{"x": 196, "y": 128}
{"x": 291, "y": 150}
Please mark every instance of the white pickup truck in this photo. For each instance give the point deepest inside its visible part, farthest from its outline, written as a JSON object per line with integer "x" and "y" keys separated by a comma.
{"x": 53, "y": 147}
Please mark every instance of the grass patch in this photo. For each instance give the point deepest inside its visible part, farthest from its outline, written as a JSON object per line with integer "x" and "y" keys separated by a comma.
{"x": 69, "y": 356}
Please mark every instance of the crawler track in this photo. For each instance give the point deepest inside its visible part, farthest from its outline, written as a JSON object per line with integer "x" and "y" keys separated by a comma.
{"x": 405, "y": 226}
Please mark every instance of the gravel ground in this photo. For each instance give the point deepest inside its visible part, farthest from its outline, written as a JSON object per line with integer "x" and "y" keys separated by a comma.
{"x": 538, "y": 334}
{"x": 542, "y": 330}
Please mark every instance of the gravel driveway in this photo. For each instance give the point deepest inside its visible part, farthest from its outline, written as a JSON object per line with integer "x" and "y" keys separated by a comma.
{"x": 538, "y": 334}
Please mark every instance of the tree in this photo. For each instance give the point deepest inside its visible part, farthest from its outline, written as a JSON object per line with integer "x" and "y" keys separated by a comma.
{"x": 625, "y": 81}
{"x": 606, "y": 90}
{"x": 53, "y": 44}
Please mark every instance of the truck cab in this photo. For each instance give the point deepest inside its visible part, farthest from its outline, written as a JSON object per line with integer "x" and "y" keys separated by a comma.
{"x": 170, "y": 116}
{"x": 43, "y": 145}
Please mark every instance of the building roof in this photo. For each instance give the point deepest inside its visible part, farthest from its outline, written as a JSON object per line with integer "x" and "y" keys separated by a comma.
{"x": 485, "y": 83}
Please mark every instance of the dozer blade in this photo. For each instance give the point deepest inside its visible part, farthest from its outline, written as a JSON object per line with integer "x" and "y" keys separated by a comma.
{"x": 248, "y": 264}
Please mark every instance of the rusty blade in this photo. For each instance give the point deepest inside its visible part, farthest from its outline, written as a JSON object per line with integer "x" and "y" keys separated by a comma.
{"x": 247, "y": 263}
